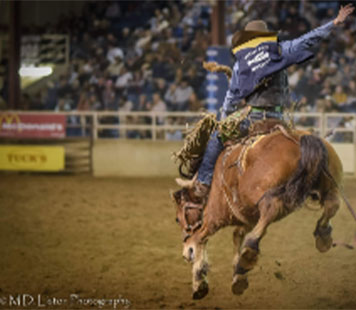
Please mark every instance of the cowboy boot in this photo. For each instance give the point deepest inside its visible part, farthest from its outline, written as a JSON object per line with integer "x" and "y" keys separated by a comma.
{"x": 201, "y": 191}
{"x": 198, "y": 191}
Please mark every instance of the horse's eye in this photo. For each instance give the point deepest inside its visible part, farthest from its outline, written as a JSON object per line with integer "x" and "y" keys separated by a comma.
{"x": 177, "y": 220}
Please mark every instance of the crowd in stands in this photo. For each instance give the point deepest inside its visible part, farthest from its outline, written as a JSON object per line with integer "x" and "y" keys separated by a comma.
{"x": 147, "y": 55}
{"x": 132, "y": 56}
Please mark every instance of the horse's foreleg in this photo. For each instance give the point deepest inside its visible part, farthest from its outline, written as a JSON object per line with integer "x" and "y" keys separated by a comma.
{"x": 322, "y": 233}
{"x": 200, "y": 272}
{"x": 269, "y": 210}
{"x": 195, "y": 252}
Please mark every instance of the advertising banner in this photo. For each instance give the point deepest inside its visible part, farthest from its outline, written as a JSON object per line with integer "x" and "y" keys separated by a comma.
{"x": 17, "y": 125}
{"x": 31, "y": 158}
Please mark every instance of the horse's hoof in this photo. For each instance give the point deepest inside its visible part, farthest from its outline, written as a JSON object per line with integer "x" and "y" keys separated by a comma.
{"x": 239, "y": 284}
{"x": 323, "y": 244}
{"x": 323, "y": 239}
{"x": 249, "y": 257}
{"x": 202, "y": 290}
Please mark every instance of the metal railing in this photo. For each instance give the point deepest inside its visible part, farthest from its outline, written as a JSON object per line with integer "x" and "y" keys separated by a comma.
{"x": 97, "y": 125}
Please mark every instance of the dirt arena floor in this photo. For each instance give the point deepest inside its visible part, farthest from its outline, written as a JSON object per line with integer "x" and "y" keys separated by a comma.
{"x": 117, "y": 238}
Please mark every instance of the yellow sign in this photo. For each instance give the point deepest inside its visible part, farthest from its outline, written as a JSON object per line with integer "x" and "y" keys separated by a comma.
{"x": 31, "y": 158}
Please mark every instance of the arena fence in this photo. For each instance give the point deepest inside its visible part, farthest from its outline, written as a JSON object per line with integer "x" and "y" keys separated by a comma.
{"x": 90, "y": 126}
{"x": 341, "y": 127}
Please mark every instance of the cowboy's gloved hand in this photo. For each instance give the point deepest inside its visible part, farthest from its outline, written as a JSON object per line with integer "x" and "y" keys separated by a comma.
{"x": 343, "y": 13}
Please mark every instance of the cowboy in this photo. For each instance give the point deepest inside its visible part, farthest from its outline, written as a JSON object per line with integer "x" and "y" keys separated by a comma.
{"x": 259, "y": 77}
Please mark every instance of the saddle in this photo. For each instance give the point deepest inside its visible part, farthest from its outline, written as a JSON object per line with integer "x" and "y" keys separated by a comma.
{"x": 190, "y": 155}
{"x": 262, "y": 127}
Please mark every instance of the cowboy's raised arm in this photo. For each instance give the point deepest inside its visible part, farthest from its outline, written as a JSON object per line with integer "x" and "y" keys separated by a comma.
{"x": 311, "y": 38}
{"x": 232, "y": 95}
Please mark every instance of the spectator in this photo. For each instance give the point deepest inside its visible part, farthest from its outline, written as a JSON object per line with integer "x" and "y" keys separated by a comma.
{"x": 182, "y": 94}
{"x": 83, "y": 104}
{"x": 115, "y": 67}
{"x": 158, "y": 105}
{"x": 125, "y": 105}
{"x": 195, "y": 104}
{"x": 94, "y": 103}
{"x": 340, "y": 96}
{"x": 124, "y": 78}
{"x": 63, "y": 105}
{"x": 161, "y": 87}
{"x": 174, "y": 134}
{"x": 113, "y": 53}
{"x": 351, "y": 98}
{"x": 109, "y": 97}
{"x": 169, "y": 96}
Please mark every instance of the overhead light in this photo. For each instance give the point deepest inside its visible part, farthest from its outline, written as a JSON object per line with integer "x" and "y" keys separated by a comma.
{"x": 35, "y": 72}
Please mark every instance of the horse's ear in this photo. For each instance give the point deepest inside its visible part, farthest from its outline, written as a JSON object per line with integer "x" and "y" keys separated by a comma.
{"x": 171, "y": 194}
{"x": 177, "y": 196}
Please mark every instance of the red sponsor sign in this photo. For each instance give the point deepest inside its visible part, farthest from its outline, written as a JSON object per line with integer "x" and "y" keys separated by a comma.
{"x": 17, "y": 125}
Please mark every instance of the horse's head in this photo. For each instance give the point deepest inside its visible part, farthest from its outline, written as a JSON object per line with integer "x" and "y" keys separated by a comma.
{"x": 189, "y": 217}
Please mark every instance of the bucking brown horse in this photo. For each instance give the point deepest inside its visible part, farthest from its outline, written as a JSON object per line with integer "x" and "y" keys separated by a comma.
{"x": 253, "y": 186}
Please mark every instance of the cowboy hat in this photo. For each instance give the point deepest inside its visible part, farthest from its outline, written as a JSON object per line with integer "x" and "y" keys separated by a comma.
{"x": 253, "y": 29}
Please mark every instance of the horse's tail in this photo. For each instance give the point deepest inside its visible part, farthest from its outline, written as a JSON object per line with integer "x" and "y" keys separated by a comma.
{"x": 213, "y": 66}
{"x": 312, "y": 164}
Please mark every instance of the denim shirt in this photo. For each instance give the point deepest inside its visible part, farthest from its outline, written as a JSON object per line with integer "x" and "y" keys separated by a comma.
{"x": 288, "y": 48}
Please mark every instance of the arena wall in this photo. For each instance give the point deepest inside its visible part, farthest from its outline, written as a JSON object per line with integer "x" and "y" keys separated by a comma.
{"x": 138, "y": 158}
{"x": 346, "y": 152}
{"x": 134, "y": 158}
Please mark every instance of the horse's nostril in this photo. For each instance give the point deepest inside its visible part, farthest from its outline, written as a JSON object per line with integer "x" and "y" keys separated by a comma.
{"x": 191, "y": 254}
{"x": 188, "y": 255}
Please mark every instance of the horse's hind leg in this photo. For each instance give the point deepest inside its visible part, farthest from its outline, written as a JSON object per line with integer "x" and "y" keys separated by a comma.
{"x": 269, "y": 210}
{"x": 322, "y": 233}
{"x": 238, "y": 238}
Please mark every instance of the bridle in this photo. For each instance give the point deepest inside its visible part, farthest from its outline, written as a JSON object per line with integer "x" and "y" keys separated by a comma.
{"x": 190, "y": 229}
